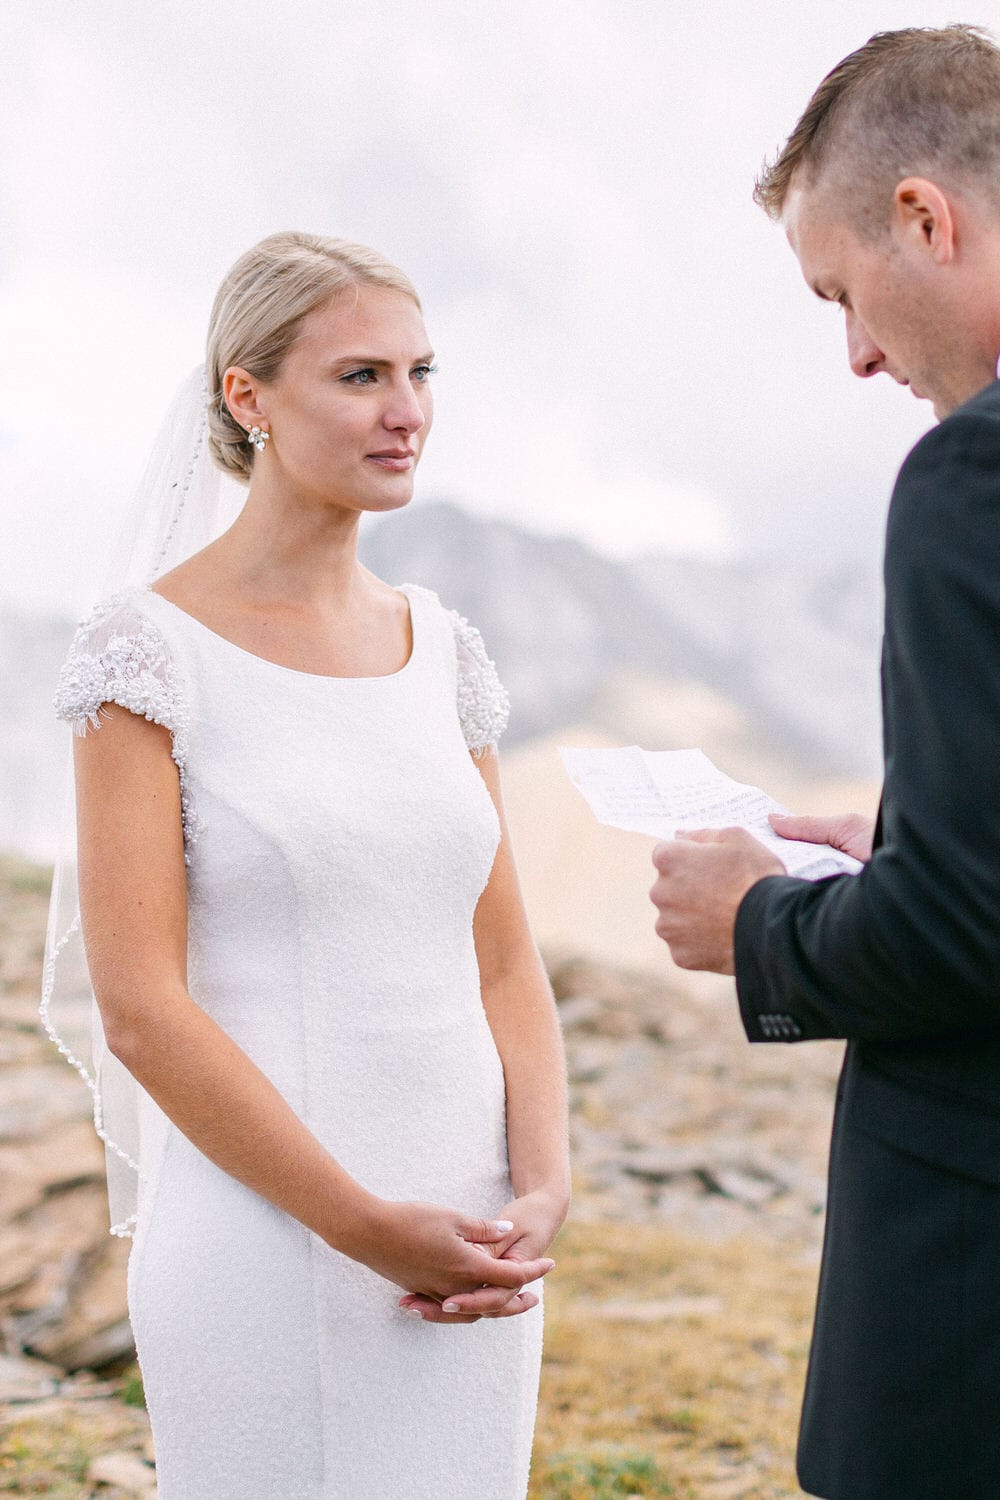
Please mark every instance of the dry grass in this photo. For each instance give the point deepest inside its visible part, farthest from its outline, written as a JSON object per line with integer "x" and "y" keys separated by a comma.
{"x": 699, "y": 1401}
{"x": 48, "y": 1451}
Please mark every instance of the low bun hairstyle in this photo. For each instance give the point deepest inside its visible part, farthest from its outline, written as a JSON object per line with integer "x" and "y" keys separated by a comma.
{"x": 259, "y": 309}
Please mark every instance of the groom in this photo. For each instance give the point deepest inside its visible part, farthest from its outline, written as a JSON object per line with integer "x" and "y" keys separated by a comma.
{"x": 889, "y": 192}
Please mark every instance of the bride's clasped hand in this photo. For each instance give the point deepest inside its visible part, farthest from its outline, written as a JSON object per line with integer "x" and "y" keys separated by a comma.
{"x": 514, "y": 1245}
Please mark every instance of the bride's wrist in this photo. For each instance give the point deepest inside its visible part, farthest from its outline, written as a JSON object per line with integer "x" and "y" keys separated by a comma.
{"x": 549, "y": 1203}
{"x": 356, "y": 1221}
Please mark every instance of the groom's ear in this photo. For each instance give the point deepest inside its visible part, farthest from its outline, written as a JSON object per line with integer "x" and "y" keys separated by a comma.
{"x": 922, "y": 217}
{"x": 242, "y": 395}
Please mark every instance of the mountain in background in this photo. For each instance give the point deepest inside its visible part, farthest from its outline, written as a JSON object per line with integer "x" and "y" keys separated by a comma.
{"x": 795, "y": 654}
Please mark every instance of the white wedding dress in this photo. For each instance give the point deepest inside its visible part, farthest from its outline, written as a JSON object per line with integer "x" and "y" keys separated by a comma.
{"x": 338, "y": 838}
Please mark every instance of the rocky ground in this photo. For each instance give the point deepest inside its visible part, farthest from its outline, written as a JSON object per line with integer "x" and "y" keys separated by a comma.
{"x": 677, "y": 1125}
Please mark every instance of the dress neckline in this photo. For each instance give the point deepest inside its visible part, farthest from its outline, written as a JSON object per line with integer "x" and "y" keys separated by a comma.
{"x": 277, "y": 666}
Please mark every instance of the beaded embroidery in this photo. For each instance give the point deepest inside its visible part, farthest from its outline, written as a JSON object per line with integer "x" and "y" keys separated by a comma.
{"x": 118, "y": 656}
{"x": 483, "y": 704}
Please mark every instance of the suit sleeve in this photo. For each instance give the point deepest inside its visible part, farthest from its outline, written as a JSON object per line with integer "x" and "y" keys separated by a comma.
{"x": 910, "y": 947}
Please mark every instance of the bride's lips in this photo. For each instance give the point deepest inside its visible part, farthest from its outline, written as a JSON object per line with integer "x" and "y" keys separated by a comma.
{"x": 397, "y": 459}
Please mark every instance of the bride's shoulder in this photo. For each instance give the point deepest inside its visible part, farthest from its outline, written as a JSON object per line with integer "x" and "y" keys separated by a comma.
{"x": 123, "y": 609}
{"x": 483, "y": 704}
{"x": 118, "y": 654}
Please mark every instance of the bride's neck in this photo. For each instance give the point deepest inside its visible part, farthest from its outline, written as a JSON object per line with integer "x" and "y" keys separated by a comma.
{"x": 285, "y": 549}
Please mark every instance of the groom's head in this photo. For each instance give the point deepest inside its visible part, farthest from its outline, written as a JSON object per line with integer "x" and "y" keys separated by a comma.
{"x": 889, "y": 191}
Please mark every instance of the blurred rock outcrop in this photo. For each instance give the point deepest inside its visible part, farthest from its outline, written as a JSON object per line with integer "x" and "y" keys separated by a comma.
{"x": 62, "y": 1288}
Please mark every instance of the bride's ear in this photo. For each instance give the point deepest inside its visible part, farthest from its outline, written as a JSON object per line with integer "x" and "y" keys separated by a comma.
{"x": 241, "y": 391}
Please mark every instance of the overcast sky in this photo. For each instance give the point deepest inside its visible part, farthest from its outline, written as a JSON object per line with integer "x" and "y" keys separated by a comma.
{"x": 627, "y": 350}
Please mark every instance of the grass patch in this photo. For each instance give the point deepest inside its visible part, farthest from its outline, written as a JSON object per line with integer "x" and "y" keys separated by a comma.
{"x": 607, "y": 1477}
{"x": 48, "y": 1450}
{"x": 687, "y": 1353}
{"x": 46, "y": 1457}
{"x": 132, "y": 1392}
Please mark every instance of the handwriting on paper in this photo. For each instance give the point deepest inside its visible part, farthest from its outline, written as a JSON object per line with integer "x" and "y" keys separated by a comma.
{"x": 659, "y": 792}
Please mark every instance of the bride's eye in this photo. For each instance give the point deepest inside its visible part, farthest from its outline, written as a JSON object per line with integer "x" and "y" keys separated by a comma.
{"x": 421, "y": 373}
{"x": 360, "y": 377}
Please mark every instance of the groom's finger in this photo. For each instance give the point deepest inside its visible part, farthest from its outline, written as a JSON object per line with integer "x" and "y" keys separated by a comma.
{"x": 715, "y": 835}
{"x": 808, "y": 830}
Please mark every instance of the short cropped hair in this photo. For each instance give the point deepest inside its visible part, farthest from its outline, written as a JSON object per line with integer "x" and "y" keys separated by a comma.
{"x": 920, "y": 102}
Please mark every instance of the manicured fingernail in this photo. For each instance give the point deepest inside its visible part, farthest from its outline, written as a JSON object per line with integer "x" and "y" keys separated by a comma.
{"x": 413, "y": 1312}
{"x": 504, "y": 1226}
{"x": 450, "y": 1307}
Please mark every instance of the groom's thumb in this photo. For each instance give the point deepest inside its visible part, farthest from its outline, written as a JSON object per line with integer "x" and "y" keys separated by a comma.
{"x": 808, "y": 830}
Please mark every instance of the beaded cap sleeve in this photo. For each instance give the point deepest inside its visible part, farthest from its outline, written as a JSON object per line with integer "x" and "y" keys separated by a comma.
{"x": 119, "y": 656}
{"x": 482, "y": 701}
{"x": 483, "y": 704}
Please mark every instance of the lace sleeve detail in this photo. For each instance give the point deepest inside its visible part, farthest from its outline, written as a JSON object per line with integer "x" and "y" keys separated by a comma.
{"x": 119, "y": 656}
{"x": 483, "y": 705}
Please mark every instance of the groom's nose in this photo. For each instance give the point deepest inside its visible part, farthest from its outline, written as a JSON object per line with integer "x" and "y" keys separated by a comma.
{"x": 863, "y": 354}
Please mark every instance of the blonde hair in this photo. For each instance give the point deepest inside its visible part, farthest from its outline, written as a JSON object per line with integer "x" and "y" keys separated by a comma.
{"x": 917, "y": 102}
{"x": 259, "y": 310}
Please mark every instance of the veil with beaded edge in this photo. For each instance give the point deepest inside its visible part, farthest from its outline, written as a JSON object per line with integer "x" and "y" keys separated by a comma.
{"x": 182, "y": 502}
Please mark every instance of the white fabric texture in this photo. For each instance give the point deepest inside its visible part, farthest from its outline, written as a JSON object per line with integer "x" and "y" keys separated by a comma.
{"x": 338, "y": 838}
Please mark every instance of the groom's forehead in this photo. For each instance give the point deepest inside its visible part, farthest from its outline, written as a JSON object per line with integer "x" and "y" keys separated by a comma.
{"x": 817, "y": 232}
{"x": 810, "y": 217}
{"x": 791, "y": 217}
{"x": 809, "y": 231}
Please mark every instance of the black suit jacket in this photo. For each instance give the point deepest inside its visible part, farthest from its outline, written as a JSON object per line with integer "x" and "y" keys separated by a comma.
{"x": 904, "y": 959}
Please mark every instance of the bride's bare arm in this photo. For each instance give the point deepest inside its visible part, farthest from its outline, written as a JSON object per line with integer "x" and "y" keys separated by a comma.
{"x": 133, "y": 895}
{"x": 521, "y": 1010}
{"x": 522, "y": 1015}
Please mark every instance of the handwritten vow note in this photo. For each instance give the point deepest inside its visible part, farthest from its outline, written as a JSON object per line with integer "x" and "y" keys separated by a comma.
{"x": 661, "y": 791}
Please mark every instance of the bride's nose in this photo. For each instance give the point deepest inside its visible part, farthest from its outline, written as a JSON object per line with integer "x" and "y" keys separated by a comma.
{"x": 403, "y": 411}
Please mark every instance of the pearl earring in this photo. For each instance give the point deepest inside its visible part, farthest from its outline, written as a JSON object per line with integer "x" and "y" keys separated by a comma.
{"x": 258, "y": 437}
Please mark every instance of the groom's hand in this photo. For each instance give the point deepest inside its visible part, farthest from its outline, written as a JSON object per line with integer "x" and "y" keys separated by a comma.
{"x": 853, "y": 833}
{"x": 703, "y": 877}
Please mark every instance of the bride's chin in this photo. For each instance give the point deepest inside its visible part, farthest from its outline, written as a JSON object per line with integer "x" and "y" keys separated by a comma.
{"x": 386, "y": 503}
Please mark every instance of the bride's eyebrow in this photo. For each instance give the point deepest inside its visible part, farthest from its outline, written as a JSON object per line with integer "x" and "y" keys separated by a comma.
{"x": 379, "y": 364}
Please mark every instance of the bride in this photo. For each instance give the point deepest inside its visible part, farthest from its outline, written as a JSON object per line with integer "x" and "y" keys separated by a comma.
{"x": 330, "y": 1053}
